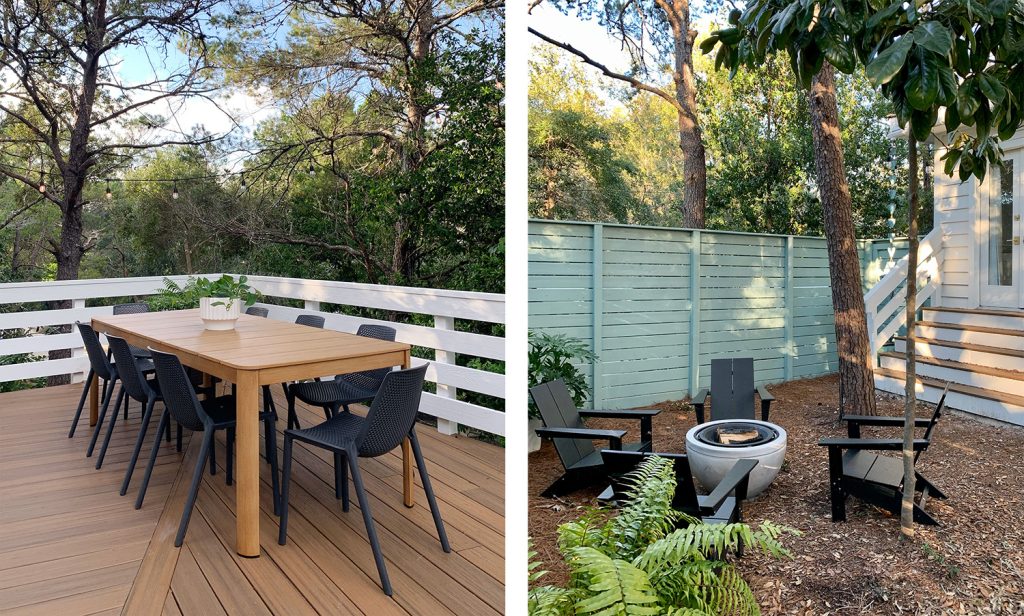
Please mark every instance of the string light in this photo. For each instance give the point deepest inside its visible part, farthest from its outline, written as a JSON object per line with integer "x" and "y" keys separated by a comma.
{"x": 312, "y": 171}
{"x": 109, "y": 194}
{"x": 243, "y": 183}
{"x": 174, "y": 191}
{"x": 42, "y": 183}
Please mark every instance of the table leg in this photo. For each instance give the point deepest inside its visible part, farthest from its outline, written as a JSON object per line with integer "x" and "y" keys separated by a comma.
{"x": 247, "y": 465}
{"x": 407, "y": 456}
{"x": 207, "y": 383}
{"x": 94, "y": 400}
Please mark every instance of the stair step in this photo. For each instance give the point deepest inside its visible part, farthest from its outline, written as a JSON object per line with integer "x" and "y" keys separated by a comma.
{"x": 977, "y": 392}
{"x": 972, "y": 334}
{"x": 965, "y": 353}
{"x": 984, "y": 377}
{"x": 1016, "y": 375}
{"x": 986, "y": 317}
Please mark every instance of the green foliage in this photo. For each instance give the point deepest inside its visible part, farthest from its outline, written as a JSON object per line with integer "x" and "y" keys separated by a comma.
{"x": 964, "y": 55}
{"x": 180, "y": 297}
{"x": 638, "y": 562}
{"x": 551, "y": 357}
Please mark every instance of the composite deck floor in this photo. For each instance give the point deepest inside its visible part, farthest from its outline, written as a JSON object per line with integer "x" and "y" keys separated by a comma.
{"x": 69, "y": 544}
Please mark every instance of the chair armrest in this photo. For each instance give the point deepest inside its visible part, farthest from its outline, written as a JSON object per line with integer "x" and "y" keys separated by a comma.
{"x": 762, "y": 391}
{"x": 872, "y": 444}
{"x": 698, "y": 403}
{"x": 738, "y": 474}
{"x": 582, "y": 433}
{"x": 619, "y": 414}
{"x": 854, "y": 422}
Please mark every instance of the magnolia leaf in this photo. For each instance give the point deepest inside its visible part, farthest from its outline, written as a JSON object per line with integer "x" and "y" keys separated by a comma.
{"x": 922, "y": 86}
{"x": 921, "y": 123}
{"x": 947, "y": 85}
{"x": 991, "y": 88}
{"x": 709, "y": 43}
{"x": 966, "y": 102}
{"x": 888, "y": 64}
{"x": 952, "y": 119}
{"x": 952, "y": 157}
{"x": 839, "y": 53}
{"x": 785, "y": 17}
{"x": 883, "y": 15}
{"x": 934, "y": 36}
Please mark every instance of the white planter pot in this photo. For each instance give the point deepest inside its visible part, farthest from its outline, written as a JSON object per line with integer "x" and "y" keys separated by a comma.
{"x": 219, "y": 317}
{"x": 533, "y": 441}
{"x": 709, "y": 463}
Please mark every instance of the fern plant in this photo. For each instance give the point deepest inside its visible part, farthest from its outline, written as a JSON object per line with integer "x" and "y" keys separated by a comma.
{"x": 637, "y": 561}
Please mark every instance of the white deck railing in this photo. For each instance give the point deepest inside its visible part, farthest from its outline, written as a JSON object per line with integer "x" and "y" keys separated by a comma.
{"x": 443, "y": 306}
{"x": 885, "y": 303}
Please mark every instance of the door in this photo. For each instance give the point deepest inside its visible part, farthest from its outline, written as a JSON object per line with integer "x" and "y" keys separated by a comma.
{"x": 1002, "y": 230}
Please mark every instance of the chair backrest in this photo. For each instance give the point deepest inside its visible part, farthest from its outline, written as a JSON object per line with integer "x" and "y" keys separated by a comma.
{"x": 310, "y": 320}
{"x": 939, "y": 407}
{"x": 620, "y": 463}
{"x": 97, "y": 358}
{"x": 131, "y": 377}
{"x": 133, "y": 308}
{"x": 176, "y": 389}
{"x": 370, "y": 379}
{"x": 257, "y": 311}
{"x": 732, "y": 388}
{"x": 392, "y": 412}
{"x": 558, "y": 410}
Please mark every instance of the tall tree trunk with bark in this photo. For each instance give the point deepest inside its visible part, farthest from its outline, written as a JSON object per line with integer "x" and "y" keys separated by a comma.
{"x": 910, "y": 388}
{"x": 856, "y": 365}
{"x": 691, "y": 140}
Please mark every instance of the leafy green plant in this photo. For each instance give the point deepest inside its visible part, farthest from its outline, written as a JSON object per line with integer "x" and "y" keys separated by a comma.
{"x": 551, "y": 357}
{"x": 180, "y": 297}
{"x": 639, "y": 562}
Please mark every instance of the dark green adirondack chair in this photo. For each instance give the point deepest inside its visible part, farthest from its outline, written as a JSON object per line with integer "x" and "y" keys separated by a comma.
{"x": 732, "y": 391}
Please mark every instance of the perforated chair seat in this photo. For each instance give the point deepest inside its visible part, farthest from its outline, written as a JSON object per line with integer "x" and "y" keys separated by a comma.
{"x": 338, "y": 391}
{"x": 340, "y": 432}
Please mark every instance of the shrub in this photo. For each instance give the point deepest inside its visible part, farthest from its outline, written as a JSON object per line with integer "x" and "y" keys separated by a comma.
{"x": 639, "y": 562}
{"x": 551, "y": 357}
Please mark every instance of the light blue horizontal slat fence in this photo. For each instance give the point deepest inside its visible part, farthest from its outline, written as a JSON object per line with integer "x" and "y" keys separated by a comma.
{"x": 657, "y": 304}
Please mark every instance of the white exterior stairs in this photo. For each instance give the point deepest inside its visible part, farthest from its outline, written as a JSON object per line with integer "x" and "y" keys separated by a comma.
{"x": 979, "y": 352}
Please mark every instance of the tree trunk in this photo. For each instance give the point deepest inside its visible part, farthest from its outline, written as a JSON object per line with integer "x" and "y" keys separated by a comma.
{"x": 910, "y": 391}
{"x": 691, "y": 140}
{"x": 856, "y": 365}
{"x": 68, "y": 255}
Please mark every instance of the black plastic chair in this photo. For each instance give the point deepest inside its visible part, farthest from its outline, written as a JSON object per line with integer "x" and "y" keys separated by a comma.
{"x": 257, "y": 311}
{"x": 132, "y": 308}
{"x": 732, "y": 391}
{"x": 391, "y": 418}
{"x": 854, "y": 470}
{"x": 100, "y": 367}
{"x": 208, "y": 416}
{"x": 563, "y": 424}
{"x": 345, "y": 389}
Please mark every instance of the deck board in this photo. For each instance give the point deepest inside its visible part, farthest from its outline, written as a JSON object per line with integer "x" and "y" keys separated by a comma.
{"x": 69, "y": 544}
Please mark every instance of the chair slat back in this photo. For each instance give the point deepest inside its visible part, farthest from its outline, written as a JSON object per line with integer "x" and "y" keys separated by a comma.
{"x": 556, "y": 415}
{"x": 370, "y": 379}
{"x": 132, "y": 379}
{"x": 257, "y": 311}
{"x": 392, "y": 412}
{"x": 97, "y": 358}
{"x": 620, "y": 463}
{"x": 133, "y": 308}
{"x": 310, "y": 320}
{"x": 177, "y": 392}
{"x": 939, "y": 407}
{"x": 732, "y": 388}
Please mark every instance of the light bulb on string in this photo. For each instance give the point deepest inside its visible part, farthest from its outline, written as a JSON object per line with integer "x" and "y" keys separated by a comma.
{"x": 42, "y": 183}
{"x": 109, "y": 194}
{"x": 312, "y": 171}
{"x": 174, "y": 191}
{"x": 243, "y": 183}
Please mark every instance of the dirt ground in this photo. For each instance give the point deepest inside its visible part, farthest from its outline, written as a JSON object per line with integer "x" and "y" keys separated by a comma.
{"x": 972, "y": 564}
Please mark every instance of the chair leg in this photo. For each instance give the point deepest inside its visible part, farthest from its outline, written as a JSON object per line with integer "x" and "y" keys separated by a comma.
{"x": 81, "y": 402}
{"x": 179, "y": 436}
{"x": 344, "y": 484}
{"x": 339, "y": 461}
{"x": 164, "y": 418}
{"x": 434, "y": 511}
{"x": 371, "y": 530}
{"x": 270, "y": 448}
{"x": 229, "y": 465}
{"x": 213, "y": 458}
{"x": 110, "y": 429}
{"x": 167, "y": 433}
{"x": 197, "y": 478}
{"x": 102, "y": 417}
{"x": 293, "y": 417}
{"x": 143, "y": 429}
{"x": 286, "y": 479}
{"x": 126, "y": 400}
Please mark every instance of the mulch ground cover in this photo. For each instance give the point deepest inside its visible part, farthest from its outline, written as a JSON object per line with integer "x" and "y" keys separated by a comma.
{"x": 972, "y": 564}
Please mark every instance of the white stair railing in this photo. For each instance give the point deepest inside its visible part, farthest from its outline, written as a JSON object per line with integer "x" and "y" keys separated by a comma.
{"x": 885, "y": 303}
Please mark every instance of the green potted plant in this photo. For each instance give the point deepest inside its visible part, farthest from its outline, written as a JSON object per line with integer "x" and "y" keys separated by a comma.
{"x": 556, "y": 356}
{"x": 219, "y": 301}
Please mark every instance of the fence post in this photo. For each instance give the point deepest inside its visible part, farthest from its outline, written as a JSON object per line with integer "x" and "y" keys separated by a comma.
{"x": 695, "y": 242}
{"x": 597, "y": 302}
{"x": 445, "y": 426}
{"x": 77, "y": 377}
{"x": 788, "y": 301}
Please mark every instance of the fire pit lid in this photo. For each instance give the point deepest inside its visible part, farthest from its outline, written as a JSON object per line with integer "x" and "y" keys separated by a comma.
{"x": 736, "y": 434}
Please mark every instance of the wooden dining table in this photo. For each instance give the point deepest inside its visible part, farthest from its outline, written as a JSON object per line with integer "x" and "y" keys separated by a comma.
{"x": 257, "y": 352}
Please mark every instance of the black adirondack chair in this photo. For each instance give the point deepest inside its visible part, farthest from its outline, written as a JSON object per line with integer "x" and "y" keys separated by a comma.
{"x": 732, "y": 389}
{"x": 563, "y": 424}
{"x": 856, "y": 470}
{"x": 723, "y": 505}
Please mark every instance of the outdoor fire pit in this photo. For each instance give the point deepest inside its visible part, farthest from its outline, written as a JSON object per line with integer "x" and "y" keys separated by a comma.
{"x": 713, "y": 448}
